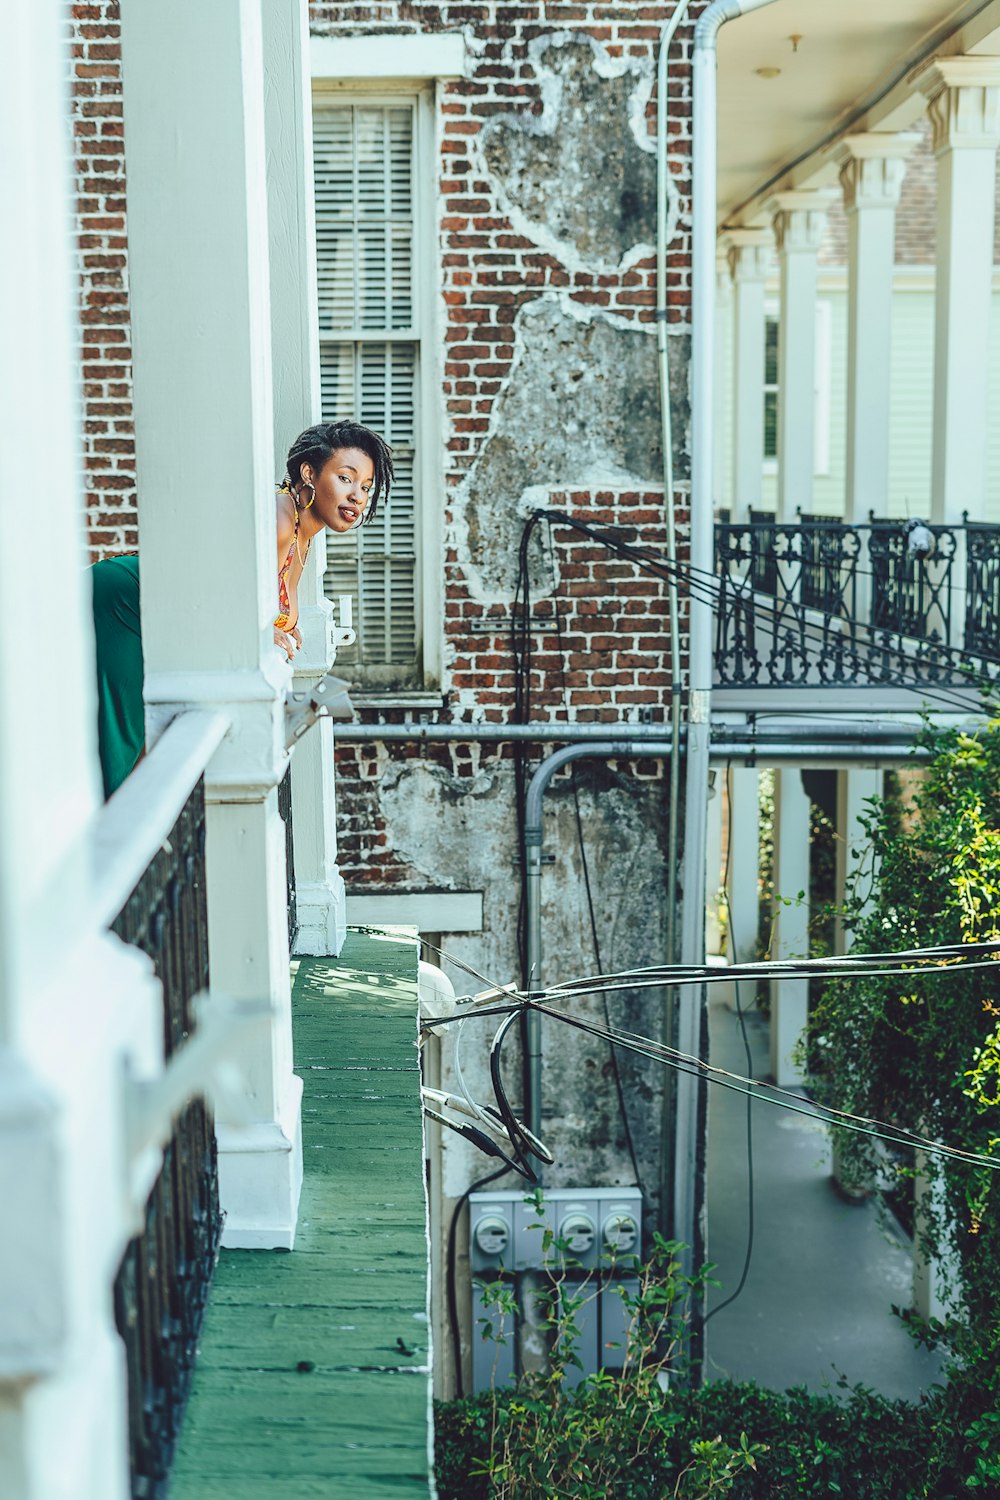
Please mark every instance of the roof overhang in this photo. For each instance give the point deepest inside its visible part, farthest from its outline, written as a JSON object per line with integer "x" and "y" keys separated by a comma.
{"x": 797, "y": 75}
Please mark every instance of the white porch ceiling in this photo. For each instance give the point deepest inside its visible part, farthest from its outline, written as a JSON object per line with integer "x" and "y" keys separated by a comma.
{"x": 847, "y": 71}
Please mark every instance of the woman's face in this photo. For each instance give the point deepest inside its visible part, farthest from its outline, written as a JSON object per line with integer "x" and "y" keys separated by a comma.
{"x": 342, "y": 488}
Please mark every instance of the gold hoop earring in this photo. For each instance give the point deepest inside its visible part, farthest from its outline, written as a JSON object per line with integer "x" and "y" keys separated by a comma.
{"x": 312, "y": 493}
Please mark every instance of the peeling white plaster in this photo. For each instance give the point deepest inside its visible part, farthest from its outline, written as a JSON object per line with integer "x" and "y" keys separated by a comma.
{"x": 551, "y": 88}
{"x": 602, "y": 475}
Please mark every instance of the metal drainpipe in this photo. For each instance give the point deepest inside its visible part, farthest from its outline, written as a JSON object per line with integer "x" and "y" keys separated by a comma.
{"x": 667, "y": 445}
{"x": 686, "y": 1125}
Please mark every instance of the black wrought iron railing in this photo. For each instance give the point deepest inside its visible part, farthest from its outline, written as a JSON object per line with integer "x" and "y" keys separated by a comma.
{"x": 163, "y": 1282}
{"x": 827, "y": 602}
{"x": 285, "y": 809}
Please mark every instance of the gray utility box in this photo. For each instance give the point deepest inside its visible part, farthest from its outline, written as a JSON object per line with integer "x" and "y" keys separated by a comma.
{"x": 595, "y": 1238}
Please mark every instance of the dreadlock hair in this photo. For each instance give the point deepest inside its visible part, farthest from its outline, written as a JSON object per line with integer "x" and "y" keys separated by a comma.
{"x": 316, "y": 444}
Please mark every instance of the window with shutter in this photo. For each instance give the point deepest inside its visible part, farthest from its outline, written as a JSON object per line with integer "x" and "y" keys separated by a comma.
{"x": 370, "y": 363}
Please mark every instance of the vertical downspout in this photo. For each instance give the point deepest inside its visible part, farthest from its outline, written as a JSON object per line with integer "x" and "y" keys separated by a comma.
{"x": 688, "y": 1193}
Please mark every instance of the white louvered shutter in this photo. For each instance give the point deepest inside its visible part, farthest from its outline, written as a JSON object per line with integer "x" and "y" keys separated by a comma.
{"x": 369, "y": 363}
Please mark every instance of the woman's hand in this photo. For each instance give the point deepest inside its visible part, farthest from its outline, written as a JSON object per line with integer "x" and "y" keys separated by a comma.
{"x": 289, "y": 642}
{"x": 296, "y": 635}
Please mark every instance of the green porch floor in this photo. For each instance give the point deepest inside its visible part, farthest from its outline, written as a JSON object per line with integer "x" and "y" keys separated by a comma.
{"x": 313, "y": 1373}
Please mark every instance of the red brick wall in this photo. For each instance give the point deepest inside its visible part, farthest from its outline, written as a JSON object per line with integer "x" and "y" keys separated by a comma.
{"x": 614, "y": 619}
{"x": 105, "y": 352}
{"x": 615, "y": 661}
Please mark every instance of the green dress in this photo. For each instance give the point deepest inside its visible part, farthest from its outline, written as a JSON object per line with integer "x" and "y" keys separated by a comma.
{"x": 121, "y": 729}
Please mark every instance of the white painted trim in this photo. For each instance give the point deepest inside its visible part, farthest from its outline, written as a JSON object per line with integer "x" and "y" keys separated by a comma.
{"x": 431, "y": 911}
{"x": 428, "y": 336}
{"x": 415, "y": 56}
{"x": 135, "y": 823}
{"x": 824, "y": 357}
{"x": 427, "y": 289}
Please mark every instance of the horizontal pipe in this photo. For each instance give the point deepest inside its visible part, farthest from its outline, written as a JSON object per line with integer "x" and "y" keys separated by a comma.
{"x": 863, "y": 744}
{"x": 499, "y": 733}
{"x": 761, "y": 752}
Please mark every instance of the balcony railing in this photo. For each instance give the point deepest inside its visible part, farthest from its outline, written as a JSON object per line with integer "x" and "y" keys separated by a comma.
{"x": 826, "y": 603}
{"x": 150, "y": 890}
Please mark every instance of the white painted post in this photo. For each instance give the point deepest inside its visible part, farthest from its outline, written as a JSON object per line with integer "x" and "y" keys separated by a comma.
{"x": 723, "y": 335}
{"x": 76, "y": 1007}
{"x": 199, "y": 272}
{"x": 799, "y": 220}
{"x": 964, "y": 105}
{"x": 751, "y": 254}
{"x": 872, "y": 168}
{"x": 853, "y": 856}
{"x": 790, "y": 997}
{"x": 319, "y": 887}
{"x": 713, "y": 864}
{"x": 743, "y": 863}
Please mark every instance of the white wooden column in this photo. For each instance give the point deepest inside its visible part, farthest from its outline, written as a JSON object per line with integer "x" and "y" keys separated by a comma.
{"x": 872, "y": 168}
{"x": 743, "y": 863}
{"x": 964, "y": 105}
{"x": 720, "y": 419}
{"x": 319, "y": 888}
{"x": 200, "y": 286}
{"x": 854, "y": 791}
{"x": 790, "y": 997}
{"x": 799, "y": 220}
{"x": 750, "y": 255}
{"x": 76, "y": 1007}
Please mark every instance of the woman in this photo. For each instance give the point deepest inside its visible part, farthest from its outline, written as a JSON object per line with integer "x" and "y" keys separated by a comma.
{"x": 337, "y": 472}
{"x": 336, "y": 475}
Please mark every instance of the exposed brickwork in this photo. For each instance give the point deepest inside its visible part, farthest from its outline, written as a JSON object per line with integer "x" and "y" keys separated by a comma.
{"x": 105, "y": 352}
{"x": 614, "y": 661}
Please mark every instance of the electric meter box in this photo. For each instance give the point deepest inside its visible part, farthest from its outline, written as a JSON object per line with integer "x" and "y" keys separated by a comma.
{"x": 591, "y": 1235}
{"x": 602, "y": 1228}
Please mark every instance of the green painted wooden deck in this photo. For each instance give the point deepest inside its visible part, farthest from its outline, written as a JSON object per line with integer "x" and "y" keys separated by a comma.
{"x": 313, "y": 1375}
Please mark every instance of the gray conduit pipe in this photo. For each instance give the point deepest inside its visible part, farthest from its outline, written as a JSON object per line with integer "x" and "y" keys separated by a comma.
{"x": 605, "y": 750}
{"x": 768, "y": 737}
{"x": 667, "y": 445}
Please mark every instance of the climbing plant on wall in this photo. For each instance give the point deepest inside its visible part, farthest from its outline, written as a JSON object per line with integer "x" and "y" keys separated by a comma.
{"x": 924, "y": 1052}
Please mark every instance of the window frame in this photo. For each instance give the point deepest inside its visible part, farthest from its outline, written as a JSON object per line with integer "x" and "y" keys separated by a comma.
{"x": 822, "y": 385}
{"x": 428, "y": 335}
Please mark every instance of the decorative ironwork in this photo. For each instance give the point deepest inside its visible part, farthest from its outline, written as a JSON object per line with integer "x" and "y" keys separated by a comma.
{"x": 285, "y": 809}
{"x": 163, "y": 1281}
{"x": 982, "y": 590}
{"x": 823, "y": 602}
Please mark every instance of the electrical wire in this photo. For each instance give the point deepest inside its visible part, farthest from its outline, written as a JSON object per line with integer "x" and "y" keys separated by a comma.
{"x": 771, "y": 1094}
{"x": 581, "y": 844}
{"x": 708, "y": 586}
{"x": 698, "y": 1067}
{"x": 451, "y": 1276}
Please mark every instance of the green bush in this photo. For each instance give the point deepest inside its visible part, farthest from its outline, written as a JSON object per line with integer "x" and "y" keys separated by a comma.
{"x": 855, "y": 1444}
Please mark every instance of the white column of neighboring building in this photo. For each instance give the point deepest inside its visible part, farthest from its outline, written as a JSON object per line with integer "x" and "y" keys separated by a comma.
{"x": 790, "y": 997}
{"x": 964, "y": 105}
{"x": 750, "y": 256}
{"x": 199, "y": 276}
{"x": 723, "y": 339}
{"x": 799, "y": 219}
{"x": 78, "y": 1010}
{"x": 319, "y": 888}
{"x": 872, "y": 168}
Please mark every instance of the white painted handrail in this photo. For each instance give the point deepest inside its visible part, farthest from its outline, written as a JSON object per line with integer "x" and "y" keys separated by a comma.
{"x": 136, "y": 822}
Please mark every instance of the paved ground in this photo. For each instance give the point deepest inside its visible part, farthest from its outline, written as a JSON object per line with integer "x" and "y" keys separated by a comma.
{"x": 824, "y": 1273}
{"x": 312, "y": 1378}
